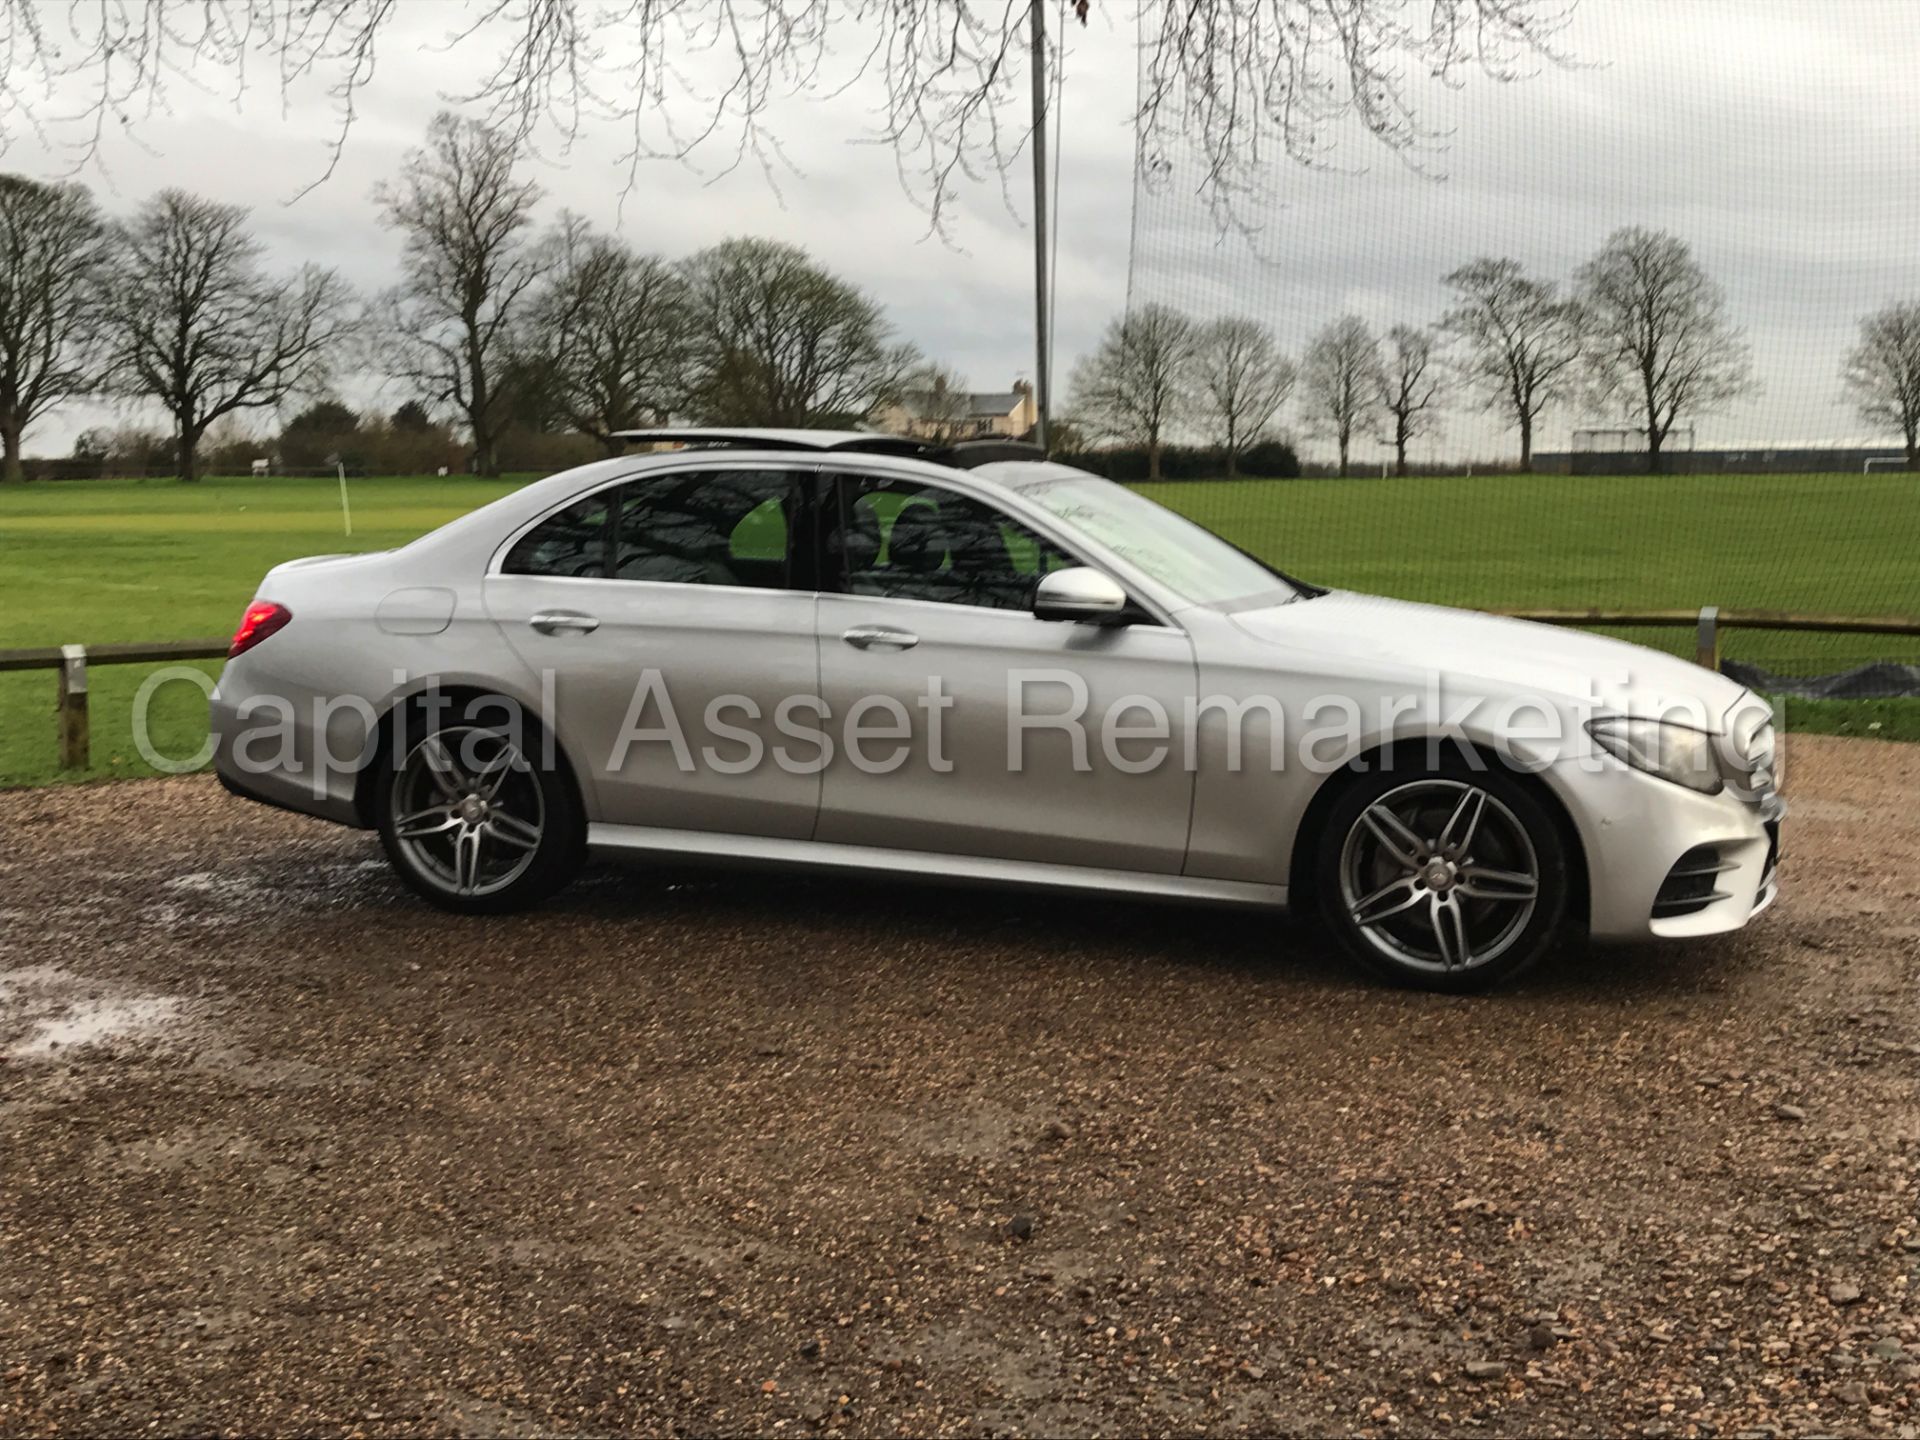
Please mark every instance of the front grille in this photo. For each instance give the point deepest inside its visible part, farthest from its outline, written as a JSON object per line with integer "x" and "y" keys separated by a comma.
{"x": 1692, "y": 884}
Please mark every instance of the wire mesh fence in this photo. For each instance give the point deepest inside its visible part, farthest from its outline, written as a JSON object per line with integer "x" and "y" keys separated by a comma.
{"x": 1771, "y": 146}
{"x": 1809, "y": 544}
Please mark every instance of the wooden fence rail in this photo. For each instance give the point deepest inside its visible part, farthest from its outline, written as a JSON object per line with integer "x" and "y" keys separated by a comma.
{"x": 155, "y": 652}
{"x": 1707, "y": 622}
{"x": 75, "y": 725}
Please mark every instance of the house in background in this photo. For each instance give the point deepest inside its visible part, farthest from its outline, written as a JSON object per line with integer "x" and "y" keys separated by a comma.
{"x": 949, "y": 414}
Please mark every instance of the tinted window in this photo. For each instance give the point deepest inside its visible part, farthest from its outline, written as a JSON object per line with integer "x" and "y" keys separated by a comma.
{"x": 573, "y": 542}
{"x": 723, "y": 527}
{"x": 720, "y": 527}
{"x": 908, "y": 541}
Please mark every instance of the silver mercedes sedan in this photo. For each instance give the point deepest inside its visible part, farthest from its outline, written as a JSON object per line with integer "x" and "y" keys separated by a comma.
{"x": 856, "y": 653}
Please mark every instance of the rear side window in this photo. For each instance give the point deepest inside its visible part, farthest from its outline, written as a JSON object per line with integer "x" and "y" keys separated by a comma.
{"x": 573, "y": 543}
{"x": 718, "y": 527}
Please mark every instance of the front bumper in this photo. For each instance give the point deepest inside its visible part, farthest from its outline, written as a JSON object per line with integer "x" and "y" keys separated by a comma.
{"x": 1637, "y": 829}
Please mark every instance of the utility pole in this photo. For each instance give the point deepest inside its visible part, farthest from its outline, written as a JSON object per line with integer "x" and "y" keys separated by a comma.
{"x": 1042, "y": 382}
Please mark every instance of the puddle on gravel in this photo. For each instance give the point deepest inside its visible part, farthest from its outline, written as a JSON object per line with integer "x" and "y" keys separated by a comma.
{"x": 219, "y": 899}
{"x": 206, "y": 898}
{"x": 206, "y": 882}
{"x": 46, "y": 1012}
{"x": 90, "y": 1023}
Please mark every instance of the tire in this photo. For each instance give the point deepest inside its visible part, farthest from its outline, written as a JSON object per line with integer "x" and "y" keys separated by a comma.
{"x": 469, "y": 822}
{"x": 1449, "y": 878}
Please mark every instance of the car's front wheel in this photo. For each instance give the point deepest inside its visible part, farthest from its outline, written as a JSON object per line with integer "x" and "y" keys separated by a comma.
{"x": 475, "y": 824}
{"x": 1452, "y": 879}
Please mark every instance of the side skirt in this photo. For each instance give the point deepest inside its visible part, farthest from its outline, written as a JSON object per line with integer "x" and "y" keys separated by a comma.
{"x": 766, "y": 852}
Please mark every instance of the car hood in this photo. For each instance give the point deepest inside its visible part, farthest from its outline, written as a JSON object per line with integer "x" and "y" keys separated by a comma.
{"x": 1515, "y": 656}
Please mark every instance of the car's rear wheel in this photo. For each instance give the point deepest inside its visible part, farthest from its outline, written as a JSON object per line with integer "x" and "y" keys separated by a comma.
{"x": 1454, "y": 879}
{"x": 474, "y": 823}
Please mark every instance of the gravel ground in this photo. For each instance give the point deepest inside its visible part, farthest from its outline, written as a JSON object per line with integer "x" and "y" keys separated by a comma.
{"x": 281, "y": 1150}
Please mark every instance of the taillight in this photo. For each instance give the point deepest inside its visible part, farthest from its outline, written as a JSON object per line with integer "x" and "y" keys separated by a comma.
{"x": 263, "y": 617}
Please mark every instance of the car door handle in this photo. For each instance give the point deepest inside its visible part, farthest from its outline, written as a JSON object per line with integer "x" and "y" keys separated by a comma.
{"x": 564, "y": 622}
{"x": 880, "y": 637}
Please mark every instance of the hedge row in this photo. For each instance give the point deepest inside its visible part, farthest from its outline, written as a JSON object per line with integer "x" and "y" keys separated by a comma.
{"x": 1269, "y": 460}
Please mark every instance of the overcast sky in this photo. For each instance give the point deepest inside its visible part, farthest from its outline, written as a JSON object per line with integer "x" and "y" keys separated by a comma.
{"x": 1780, "y": 137}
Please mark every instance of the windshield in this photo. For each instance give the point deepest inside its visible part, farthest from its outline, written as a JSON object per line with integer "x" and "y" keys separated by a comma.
{"x": 1184, "y": 557}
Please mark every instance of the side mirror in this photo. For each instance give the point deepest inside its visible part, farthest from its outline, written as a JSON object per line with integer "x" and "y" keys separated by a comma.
{"x": 1079, "y": 593}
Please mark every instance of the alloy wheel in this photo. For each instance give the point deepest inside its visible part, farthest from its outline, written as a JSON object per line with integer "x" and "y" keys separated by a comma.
{"x": 1439, "y": 876}
{"x": 468, "y": 811}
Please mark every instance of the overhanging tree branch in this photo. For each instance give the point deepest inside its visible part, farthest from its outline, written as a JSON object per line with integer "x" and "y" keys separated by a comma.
{"x": 1246, "y": 81}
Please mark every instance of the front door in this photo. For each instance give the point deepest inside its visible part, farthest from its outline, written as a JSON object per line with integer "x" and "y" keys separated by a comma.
{"x": 935, "y": 592}
{"x": 670, "y": 614}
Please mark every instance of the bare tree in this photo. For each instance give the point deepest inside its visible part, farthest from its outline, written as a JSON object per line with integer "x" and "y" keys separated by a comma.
{"x": 1657, "y": 333}
{"x": 51, "y": 243}
{"x": 1239, "y": 81}
{"x": 469, "y": 270}
{"x": 1520, "y": 341}
{"x": 1242, "y": 379}
{"x": 1411, "y": 385}
{"x": 1883, "y": 372}
{"x": 195, "y": 323}
{"x": 1138, "y": 378}
{"x": 1341, "y": 380}
{"x": 937, "y": 401}
{"x": 781, "y": 341}
{"x": 612, "y": 330}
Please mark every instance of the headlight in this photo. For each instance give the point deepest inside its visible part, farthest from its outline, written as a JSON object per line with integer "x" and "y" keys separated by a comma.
{"x": 1673, "y": 752}
{"x": 1751, "y": 743}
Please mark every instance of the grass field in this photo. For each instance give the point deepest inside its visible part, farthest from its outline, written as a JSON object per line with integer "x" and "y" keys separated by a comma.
{"x": 1834, "y": 543}
{"x": 145, "y": 560}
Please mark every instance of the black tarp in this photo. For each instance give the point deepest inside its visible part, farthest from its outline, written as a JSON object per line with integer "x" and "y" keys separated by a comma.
{"x": 1883, "y": 680}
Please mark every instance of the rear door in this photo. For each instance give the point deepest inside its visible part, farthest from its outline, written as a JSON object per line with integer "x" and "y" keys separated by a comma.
{"x": 674, "y": 612}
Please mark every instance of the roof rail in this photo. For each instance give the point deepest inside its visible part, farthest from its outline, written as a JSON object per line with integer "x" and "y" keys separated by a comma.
{"x": 960, "y": 455}
{"x": 750, "y": 438}
{"x": 965, "y": 454}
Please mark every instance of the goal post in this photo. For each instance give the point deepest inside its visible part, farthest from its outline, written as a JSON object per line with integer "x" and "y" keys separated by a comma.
{"x": 1606, "y": 449}
{"x": 1890, "y": 462}
{"x": 1608, "y": 439}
